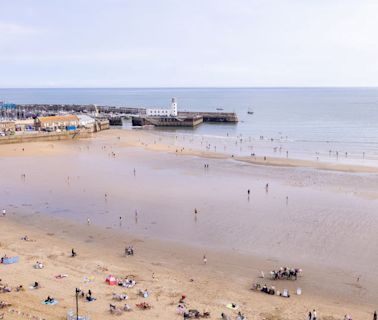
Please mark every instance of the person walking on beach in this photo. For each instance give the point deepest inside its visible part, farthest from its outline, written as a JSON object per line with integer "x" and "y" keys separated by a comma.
{"x": 204, "y": 259}
{"x": 267, "y": 187}
{"x": 309, "y": 315}
{"x": 375, "y": 315}
{"x": 4, "y": 212}
{"x": 88, "y": 221}
{"x": 314, "y": 314}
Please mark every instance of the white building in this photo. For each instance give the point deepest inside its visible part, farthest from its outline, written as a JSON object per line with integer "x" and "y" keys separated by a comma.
{"x": 172, "y": 112}
{"x": 85, "y": 120}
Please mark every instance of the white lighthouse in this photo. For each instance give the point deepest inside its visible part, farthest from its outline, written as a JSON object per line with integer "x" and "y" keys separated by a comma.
{"x": 174, "y": 107}
{"x": 172, "y": 112}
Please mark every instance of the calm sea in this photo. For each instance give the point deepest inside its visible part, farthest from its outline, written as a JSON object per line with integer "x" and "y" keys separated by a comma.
{"x": 308, "y": 122}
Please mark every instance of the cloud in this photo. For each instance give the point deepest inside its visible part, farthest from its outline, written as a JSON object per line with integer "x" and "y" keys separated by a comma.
{"x": 13, "y": 29}
{"x": 45, "y": 56}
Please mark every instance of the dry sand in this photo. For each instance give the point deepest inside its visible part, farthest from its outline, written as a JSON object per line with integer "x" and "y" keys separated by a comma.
{"x": 100, "y": 253}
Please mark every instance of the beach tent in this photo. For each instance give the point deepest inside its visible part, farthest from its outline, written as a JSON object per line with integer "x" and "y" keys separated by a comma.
{"x": 10, "y": 260}
{"x": 111, "y": 280}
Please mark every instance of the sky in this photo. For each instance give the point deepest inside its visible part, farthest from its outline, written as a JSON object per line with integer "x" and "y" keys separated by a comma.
{"x": 188, "y": 43}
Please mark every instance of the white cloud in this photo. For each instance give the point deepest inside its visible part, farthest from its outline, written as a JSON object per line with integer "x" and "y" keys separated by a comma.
{"x": 13, "y": 29}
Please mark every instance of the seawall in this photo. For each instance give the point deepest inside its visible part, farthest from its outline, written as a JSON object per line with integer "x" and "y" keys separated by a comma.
{"x": 45, "y": 136}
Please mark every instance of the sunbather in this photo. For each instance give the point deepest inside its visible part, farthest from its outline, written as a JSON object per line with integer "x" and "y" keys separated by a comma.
{"x": 89, "y": 298}
{"x": 127, "y": 308}
{"x": 143, "y": 305}
{"x": 144, "y": 293}
{"x": 120, "y": 297}
{"x": 20, "y": 288}
{"x": 4, "y": 304}
{"x": 240, "y": 316}
{"x": 225, "y": 316}
{"x": 49, "y": 299}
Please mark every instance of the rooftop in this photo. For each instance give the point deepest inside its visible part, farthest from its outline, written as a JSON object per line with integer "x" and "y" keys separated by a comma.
{"x": 68, "y": 117}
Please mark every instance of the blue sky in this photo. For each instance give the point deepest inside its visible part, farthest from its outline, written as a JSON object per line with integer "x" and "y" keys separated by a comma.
{"x": 157, "y": 43}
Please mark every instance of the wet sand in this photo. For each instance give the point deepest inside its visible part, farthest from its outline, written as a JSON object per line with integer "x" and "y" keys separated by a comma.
{"x": 328, "y": 225}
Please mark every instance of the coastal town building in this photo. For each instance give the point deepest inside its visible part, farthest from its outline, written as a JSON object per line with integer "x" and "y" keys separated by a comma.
{"x": 172, "y": 112}
{"x": 25, "y": 124}
{"x": 86, "y": 121}
{"x": 7, "y": 126}
{"x": 65, "y": 122}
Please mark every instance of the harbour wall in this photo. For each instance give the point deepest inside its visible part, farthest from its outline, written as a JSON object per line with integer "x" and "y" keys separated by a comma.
{"x": 46, "y": 136}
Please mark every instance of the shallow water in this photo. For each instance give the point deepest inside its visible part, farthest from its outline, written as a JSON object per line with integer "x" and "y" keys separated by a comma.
{"x": 323, "y": 222}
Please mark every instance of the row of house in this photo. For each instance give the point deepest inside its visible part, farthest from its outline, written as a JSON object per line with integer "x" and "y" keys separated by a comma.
{"x": 51, "y": 123}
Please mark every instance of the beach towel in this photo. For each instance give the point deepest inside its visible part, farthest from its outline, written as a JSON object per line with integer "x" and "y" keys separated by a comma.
{"x": 89, "y": 279}
{"x": 52, "y": 303}
{"x": 11, "y": 260}
{"x": 232, "y": 306}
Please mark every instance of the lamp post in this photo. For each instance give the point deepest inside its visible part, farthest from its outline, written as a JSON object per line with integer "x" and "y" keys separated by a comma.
{"x": 77, "y": 303}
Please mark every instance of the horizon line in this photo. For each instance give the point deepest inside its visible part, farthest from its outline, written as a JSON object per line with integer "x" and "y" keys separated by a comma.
{"x": 198, "y": 87}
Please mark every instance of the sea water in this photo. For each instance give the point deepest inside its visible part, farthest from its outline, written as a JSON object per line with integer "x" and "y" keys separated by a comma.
{"x": 326, "y": 124}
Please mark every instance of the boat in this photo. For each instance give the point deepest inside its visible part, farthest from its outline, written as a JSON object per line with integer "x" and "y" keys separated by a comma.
{"x": 219, "y": 109}
{"x": 250, "y": 111}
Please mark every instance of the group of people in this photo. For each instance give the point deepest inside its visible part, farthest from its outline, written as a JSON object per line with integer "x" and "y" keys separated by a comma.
{"x": 271, "y": 291}
{"x": 88, "y": 296}
{"x": 127, "y": 283}
{"x": 190, "y": 313}
{"x": 285, "y": 273}
{"x": 118, "y": 311}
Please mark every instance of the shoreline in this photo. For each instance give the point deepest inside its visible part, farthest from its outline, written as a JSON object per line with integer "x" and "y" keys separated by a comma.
{"x": 135, "y": 134}
{"x": 255, "y": 160}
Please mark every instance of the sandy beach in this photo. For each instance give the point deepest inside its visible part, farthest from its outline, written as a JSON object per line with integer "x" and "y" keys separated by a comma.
{"x": 318, "y": 216}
